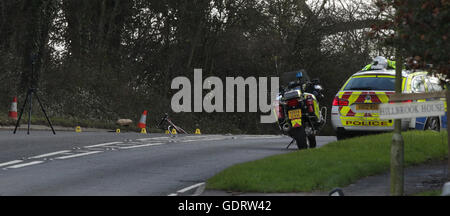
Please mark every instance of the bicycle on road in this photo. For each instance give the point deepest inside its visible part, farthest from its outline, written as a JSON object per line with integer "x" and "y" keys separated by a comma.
{"x": 166, "y": 123}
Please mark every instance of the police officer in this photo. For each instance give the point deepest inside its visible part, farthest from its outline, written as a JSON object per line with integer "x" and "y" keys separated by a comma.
{"x": 379, "y": 63}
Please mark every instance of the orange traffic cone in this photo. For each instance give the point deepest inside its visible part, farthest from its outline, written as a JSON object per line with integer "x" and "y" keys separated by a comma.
{"x": 142, "y": 122}
{"x": 13, "y": 111}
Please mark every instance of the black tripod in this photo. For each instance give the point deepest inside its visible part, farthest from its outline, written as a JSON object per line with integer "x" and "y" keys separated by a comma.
{"x": 29, "y": 97}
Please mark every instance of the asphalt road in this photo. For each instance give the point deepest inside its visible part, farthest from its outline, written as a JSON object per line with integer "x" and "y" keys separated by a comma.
{"x": 102, "y": 163}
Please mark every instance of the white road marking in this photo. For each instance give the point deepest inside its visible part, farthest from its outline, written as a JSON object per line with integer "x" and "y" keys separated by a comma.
{"x": 78, "y": 155}
{"x": 202, "y": 140}
{"x": 154, "y": 138}
{"x": 188, "y": 141}
{"x": 10, "y": 162}
{"x": 139, "y": 146}
{"x": 261, "y": 137}
{"x": 212, "y": 139}
{"x": 199, "y": 136}
{"x": 173, "y": 194}
{"x": 184, "y": 190}
{"x": 49, "y": 154}
{"x": 103, "y": 144}
{"x": 128, "y": 144}
{"x": 25, "y": 164}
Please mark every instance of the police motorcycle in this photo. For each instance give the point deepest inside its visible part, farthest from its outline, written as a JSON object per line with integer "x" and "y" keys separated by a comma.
{"x": 298, "y": 112}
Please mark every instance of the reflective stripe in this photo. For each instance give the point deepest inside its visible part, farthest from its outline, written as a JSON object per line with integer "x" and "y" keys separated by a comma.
{"x": 316, "y": 109}
{"x": 403, "y": 83}
{"x": 391, "y": 64}
{"x": 445, "y": 104}
{"x": 296, "y": 122}
{"x": 366, "y": 121}
{"x": 408, "y": 83}
{"x": 359, "y": 98}
{"x": 342, "y": 89}
{"x": 364, "y": 76}
{"x": 367, "y": 67}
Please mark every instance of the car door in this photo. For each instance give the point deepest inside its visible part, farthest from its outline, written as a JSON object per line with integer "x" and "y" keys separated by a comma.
{"x": 418, "y": 86}
{"x": 433, "y": 84}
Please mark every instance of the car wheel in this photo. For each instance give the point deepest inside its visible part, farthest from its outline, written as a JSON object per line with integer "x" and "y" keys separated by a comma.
{"x": 433, "y": 124}
{"x": 341, "y": 134}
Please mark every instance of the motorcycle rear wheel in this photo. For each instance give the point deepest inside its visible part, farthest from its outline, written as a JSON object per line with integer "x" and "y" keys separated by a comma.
{"x": 300, "y": 137}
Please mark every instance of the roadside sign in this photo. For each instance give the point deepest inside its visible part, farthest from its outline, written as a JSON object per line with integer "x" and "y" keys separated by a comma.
{"x": 412, "y": 110}
{"x": 420, "y": 96}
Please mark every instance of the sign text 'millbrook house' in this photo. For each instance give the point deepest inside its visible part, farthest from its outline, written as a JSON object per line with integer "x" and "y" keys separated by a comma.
{"x": 409, "y": 110}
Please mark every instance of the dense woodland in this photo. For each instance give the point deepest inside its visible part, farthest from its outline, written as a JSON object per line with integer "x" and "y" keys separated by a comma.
{"x": 110, "y": 59}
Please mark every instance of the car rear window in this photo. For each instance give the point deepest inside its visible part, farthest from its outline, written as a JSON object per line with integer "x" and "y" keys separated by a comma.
{"x": 382, "y": 83}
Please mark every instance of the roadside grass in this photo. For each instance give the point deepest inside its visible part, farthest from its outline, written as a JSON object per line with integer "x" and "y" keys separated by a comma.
{"x": 4, "y": 120}
{"x": 337, "y": 164}
{"x": 429, "y": 193}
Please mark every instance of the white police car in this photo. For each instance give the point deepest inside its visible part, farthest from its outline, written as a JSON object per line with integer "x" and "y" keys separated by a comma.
{"x": 355, "y": 107}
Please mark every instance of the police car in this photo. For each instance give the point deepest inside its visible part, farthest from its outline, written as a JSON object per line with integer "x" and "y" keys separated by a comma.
{"x": 355, "y": 107}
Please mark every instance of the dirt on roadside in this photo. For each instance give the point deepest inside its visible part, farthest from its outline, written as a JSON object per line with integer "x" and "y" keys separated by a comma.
{"x": 420, "y": 178}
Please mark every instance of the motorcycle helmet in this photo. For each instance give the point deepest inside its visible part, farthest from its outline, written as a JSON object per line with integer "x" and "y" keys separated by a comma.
{"x": 379, "y": 63}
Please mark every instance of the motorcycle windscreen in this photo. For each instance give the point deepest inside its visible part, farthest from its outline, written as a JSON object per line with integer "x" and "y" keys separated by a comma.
{"x": 287, "y": 77}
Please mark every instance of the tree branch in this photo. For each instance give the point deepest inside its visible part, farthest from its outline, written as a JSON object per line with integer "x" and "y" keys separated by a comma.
{"x": 348, "y": 26}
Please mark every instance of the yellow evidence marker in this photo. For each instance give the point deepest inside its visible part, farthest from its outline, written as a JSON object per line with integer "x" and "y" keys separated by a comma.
{"x": 174, "y": 131}
{"x": 143, "y": 131}
{"x": 78, "y": 129}
{"x": 197, "y": 131}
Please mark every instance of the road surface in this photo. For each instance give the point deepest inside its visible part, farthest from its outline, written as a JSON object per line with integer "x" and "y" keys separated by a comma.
{"x": 104, "y": 163}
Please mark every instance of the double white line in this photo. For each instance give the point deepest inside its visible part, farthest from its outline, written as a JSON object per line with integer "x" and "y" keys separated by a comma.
{"x": 10, "y": 163}
{"x": 78, "y": 155}
{"x": 25, "y": 164}
{"x": 49, "y": 154}
{"x": 19, "y": 165}
{"x": 103, "y": 144}
{"x": 139, "y": 146}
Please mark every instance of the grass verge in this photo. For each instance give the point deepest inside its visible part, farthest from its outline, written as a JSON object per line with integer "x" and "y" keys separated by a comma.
{"x": 429, "y": 193}
{"x": 337, "y": 164}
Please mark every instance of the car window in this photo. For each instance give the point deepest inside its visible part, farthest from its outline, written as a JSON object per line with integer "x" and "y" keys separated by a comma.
{"x": 418, "y": 84}
{"x": 371, "y": 83}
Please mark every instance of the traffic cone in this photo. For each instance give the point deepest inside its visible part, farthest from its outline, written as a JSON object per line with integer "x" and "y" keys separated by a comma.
{"x": 13, "y": 111}
{"x": 142, "y": 122}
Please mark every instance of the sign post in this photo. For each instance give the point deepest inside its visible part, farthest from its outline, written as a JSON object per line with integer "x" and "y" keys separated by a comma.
{"x": 397, "y": 144}
{"x": 408, "y": 110}
{"x": 447, "y": 99}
